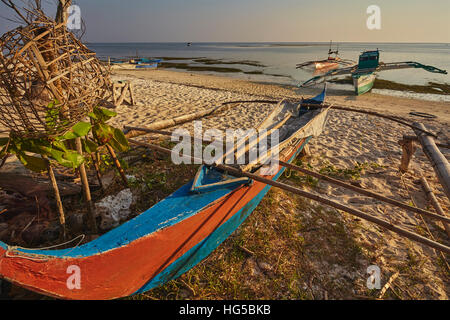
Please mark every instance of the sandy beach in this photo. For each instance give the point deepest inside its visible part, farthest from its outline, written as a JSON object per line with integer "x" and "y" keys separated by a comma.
{"x": 364, "y": 145}
{"x": 359, "y": 148}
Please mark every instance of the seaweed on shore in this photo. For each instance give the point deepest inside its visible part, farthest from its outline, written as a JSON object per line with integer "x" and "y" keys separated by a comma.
{"x": 219, "y": 61}
{"x": 185, "y": 66}
{"x": 177, "y": 58}
{"x": 431, "y": 87}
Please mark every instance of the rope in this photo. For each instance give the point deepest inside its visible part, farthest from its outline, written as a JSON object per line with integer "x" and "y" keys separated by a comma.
{"x": 12, "y": 252}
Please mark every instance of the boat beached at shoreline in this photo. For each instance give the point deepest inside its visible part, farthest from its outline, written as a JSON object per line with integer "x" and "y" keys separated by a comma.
{"x": 172, "y": 236}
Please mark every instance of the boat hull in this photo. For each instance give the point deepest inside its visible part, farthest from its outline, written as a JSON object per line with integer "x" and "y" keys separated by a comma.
{"x": 142, "y": 264}
{"x": 363, "y": 83}
{"x": 158, "y": 245}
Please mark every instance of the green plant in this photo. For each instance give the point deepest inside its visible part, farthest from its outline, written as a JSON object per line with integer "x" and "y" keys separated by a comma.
{"x": 105, "y": 134}
{"x": 33, "y": 152}
{"x": 27, "y": 149}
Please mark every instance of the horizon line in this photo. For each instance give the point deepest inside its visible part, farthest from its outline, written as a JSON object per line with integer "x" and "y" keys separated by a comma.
{"x": 306, "y": 42}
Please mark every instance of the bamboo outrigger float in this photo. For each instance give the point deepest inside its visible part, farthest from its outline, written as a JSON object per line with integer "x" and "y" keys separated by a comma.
{"x": 169, "y": 238}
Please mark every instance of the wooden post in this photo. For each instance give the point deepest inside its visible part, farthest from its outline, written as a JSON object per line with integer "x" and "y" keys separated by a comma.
{"x": 438, "y": 161}
{"x": 86, "y": 190}
{"x": 61, "y": 14}
{"x": 62, "y": 218}
{"x": 434, "y": 202}
{"x": 409, "y": 148}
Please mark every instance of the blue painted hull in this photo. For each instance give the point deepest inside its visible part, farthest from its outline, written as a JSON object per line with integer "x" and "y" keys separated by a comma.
{"x": 195, "y": 255}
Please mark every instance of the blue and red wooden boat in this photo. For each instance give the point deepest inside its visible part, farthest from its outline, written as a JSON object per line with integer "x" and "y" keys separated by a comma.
{"x": 169, "y": 238}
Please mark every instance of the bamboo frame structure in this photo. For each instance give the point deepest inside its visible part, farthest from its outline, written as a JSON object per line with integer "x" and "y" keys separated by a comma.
{"x": 49, "y": 80}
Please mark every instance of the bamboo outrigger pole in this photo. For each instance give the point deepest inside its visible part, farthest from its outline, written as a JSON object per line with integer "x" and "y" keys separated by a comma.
{"x": 387, "y": 225}
{"x": 437, "y": 159}
{"x": 366, "y": 192}
{"x": 434, "y": 202}
{"x": 377, "y": 114}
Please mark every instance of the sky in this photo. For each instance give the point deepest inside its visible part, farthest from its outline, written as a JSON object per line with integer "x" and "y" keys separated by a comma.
{"x": 257, "y": 20}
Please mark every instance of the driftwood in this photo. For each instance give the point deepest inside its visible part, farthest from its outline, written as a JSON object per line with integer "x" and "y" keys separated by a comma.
{"x": 437, "y": 159}
{"x": 385, "y": 224}
{"x": 29, "y": 187}
{"x": 434, "y": 202}
{"x": 388, "y": 285}
{"x": 132, "y": 132}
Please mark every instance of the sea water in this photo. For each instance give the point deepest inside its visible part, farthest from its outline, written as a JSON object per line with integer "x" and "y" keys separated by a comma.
{"x": 279, "y": 59}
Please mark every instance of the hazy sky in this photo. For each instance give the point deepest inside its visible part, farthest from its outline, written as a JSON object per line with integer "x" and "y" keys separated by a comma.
{"x": 259, "y": 20}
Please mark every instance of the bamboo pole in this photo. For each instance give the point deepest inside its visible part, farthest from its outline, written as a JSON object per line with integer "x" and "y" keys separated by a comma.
{"x": 365, "y": 192}
{"x": 385, "y": 224}
{"x": 434, "y": 202}
{"x": 51, "y": 175}
{"x": 437, "y": 159}
{"x": 117, "y": 164}
{"x": 415, "y": 138}
{"x": 97, "y": 170}
{"x": 86, "y": 190}
{"x": 373, "y": 113}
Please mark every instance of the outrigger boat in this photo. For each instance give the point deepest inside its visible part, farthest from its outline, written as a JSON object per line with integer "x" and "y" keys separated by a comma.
{"x": 364, "y": 74}
{"x": 138, "y": 63}
{"x": 174, "y": 235}
{"x": 331, "y": 63}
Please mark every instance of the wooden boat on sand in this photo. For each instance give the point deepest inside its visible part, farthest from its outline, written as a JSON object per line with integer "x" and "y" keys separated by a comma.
{"x": 138, "y": 63}
{"x": 174, "y": 235}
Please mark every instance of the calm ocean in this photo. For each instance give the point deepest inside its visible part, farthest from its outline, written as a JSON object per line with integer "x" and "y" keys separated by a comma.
{"x": 280, "y": 59}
